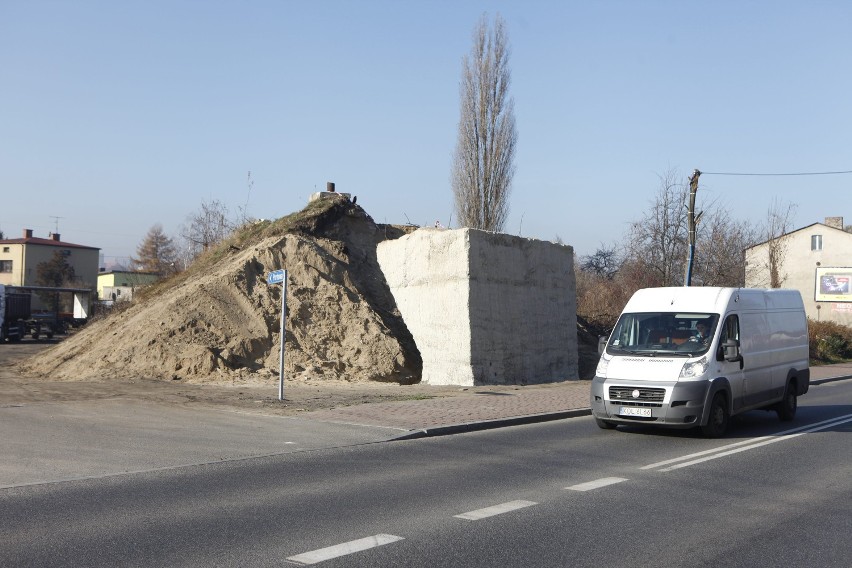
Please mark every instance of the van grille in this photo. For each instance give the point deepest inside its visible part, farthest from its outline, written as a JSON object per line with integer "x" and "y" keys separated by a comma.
{"x": 646, "y": 395}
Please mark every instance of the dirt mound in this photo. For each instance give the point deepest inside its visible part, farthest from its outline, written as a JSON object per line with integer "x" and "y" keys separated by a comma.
{"x": 220, "y": 320}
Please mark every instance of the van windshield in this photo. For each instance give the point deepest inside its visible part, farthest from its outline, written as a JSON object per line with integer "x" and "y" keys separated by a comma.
{"x": 671, "y": 333}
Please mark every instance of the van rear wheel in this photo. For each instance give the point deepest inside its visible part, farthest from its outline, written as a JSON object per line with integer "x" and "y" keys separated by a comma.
{"x": 786, "y": 409}
{"x": 717, "y": 423}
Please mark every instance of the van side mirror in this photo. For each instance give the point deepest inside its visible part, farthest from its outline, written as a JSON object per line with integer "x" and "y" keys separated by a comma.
{"x": 602, "y": 344}
{"x": 731, "y": 351}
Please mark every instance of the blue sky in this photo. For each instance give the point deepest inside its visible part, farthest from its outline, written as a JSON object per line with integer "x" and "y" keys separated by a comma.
{"x": 117, "y": 115}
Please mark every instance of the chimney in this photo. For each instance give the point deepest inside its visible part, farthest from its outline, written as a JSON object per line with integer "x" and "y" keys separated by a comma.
{"x": 329, "y": 186}
{"x": 28, "y": 233}
{"x": 836, "y": 222}
{"x": 55, "y": 236}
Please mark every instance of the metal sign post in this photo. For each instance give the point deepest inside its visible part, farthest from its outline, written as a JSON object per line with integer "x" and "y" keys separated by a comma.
{"x": 280, "y": 277}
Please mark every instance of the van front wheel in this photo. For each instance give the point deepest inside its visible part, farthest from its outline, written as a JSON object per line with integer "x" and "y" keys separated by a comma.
{"x": 604, "y": 424}
{"x": 717, "y": 423}
{"x": 786, "y": 409}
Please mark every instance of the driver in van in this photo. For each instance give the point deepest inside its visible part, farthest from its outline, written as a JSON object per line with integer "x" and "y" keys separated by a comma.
{"x": 700, "y": 333}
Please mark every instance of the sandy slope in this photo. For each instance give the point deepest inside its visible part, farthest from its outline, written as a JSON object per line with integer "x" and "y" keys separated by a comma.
{"x": 222, "y": 322}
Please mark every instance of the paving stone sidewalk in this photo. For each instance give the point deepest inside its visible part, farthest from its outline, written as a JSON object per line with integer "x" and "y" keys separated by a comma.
{"x": 481, "y": 408}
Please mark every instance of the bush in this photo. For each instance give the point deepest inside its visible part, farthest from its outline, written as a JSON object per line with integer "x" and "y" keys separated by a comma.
{"x": 829, "y": 342}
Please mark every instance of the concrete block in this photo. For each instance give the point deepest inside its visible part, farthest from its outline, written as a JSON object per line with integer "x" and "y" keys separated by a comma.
{"x": 485, "y": 308}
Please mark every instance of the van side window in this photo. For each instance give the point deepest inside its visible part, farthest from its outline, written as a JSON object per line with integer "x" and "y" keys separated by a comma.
{"x": 730, "y": 330}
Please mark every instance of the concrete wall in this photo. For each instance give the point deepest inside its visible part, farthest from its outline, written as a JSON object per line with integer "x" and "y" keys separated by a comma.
{"x": 799, "y": 264}
{"x": 485, "y": 308}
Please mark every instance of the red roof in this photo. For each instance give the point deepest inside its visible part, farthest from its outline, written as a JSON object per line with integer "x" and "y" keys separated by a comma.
{"x": 44, "y": 242}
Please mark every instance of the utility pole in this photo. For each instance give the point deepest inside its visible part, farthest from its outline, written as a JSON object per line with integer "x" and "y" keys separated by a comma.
{"x": 692, "y": 222}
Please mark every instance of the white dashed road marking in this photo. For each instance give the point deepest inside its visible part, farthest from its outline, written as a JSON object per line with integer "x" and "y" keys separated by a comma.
{"x": 704, "y": 453}
{"x": 597, "y": 484}
{"x": 495, "y": 510}
{"x": 723, "y": 451}
{"x": 367, "y": 543}
{"x": 343, "y": 549}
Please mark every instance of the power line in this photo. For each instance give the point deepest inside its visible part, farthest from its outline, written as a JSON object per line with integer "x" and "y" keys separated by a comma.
{"x": 787, "y": 174}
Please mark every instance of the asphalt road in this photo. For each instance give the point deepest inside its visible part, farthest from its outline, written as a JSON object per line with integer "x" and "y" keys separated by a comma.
{"x": 561, "y": 493}
{"x": 94, "y": 438}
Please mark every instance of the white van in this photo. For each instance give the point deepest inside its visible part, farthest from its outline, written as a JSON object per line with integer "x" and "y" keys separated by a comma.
{"x": 656, "y": 368}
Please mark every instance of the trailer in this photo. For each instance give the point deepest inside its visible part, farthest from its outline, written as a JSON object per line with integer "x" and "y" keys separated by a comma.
{"x": 15, "y": 314}
{"x": 17, "y": 318}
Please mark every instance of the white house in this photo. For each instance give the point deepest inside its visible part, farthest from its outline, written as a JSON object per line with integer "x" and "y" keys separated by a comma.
{"x": 817, "y": 261}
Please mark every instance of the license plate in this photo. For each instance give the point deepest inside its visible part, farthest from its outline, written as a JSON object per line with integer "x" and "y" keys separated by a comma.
{"x": 634, "y": 411}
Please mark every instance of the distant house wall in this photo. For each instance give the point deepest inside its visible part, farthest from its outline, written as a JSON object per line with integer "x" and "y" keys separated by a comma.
{"x": 125, "y": 280}
{"x": 116, "y": 293}
{"x": 83, "y": 261}
{"x": 485, "y": 308}
{"x": 11, "y": 264}
{"x": 24, "y": 255}
{"x": 806, "y": 251}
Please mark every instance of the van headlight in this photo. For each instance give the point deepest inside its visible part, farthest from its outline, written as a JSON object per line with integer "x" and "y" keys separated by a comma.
{"x": 603, "y": 364}
{"x": 692, "y": 369}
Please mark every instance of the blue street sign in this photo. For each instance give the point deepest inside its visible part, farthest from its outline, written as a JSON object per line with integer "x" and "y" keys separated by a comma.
{"x": 280, "y": 277}
{"x": 276, "y": 277}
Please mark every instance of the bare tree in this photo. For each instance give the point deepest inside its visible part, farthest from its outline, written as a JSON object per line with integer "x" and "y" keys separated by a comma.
{"x": 601, "y": 291}
{"x": 721, "y": 243}
{"x": 779, "y": 220}
{"x": 604, "y": 262}
{"x": 206, "y": 227}
{"x": 765, "y": 263}
{"x": 655, "y": 253}
{"x": 243, "y": 216}
{"x": 156, "y": 253}
{"x": 658, "y": 241}
{"x": 483, "y": 167}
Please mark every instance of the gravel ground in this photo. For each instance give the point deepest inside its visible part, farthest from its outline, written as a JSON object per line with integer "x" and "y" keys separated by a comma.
{"x": 261, "y": 397}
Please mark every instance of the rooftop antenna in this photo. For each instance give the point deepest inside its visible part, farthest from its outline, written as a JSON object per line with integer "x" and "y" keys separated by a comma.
{"x": 56, "y": 223}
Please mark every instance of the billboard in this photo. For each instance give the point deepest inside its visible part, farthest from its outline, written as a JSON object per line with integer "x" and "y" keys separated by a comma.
{"x": 833, "y": 285}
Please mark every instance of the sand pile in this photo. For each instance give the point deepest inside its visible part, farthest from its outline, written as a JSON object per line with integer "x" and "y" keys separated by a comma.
{"x": 220, "y": 319}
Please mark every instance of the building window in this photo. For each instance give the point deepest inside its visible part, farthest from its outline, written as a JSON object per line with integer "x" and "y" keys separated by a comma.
{"x": 816, "y": 242}
{"x": 5, "y": 249}
{"x": 6, "y": 266}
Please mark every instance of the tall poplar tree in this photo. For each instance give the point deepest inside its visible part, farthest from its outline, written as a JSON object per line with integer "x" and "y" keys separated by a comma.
{"x": 483, "y": 167}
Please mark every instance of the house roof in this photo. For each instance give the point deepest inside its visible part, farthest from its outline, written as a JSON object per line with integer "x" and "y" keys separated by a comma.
{"x": 801, "y": 229}
{"x": 44, "y": 242}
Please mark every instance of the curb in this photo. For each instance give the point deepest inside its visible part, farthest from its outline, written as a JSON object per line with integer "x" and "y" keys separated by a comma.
{"x": 529, "y": 419}
{"x": 492, "y": 424}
